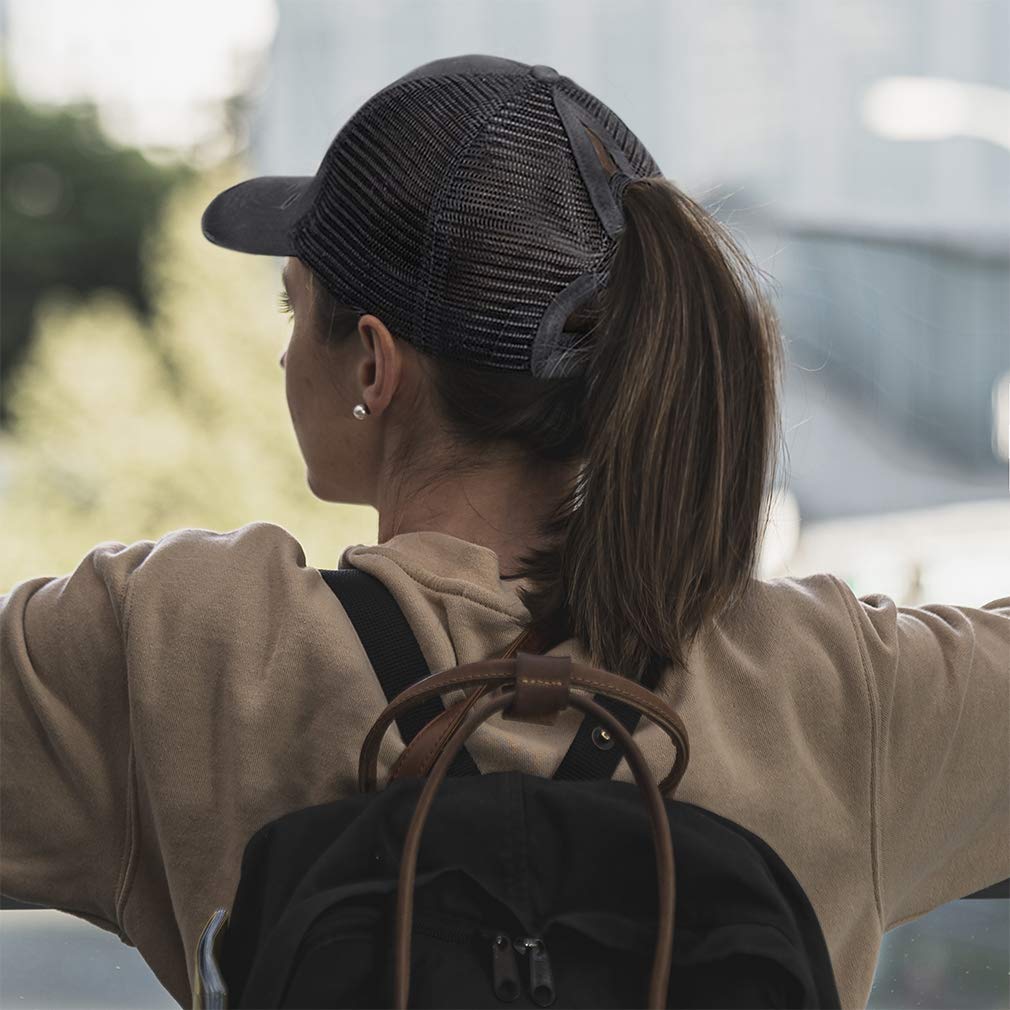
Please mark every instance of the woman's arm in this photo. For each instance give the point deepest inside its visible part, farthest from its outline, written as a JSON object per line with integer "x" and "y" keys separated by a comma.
{"x": 939, "y": 680}
{"x": 65, "y": 744}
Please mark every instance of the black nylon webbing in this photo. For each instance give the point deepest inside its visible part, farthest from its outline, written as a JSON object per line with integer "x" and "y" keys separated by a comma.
{"x": 392, "y": 650}
{"x": 398, "y": 661}
{"x": 584, "y": 759}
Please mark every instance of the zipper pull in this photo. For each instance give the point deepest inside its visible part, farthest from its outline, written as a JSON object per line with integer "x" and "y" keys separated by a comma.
{"x": 541, "y": 976}
{"x": 506, "y": 974}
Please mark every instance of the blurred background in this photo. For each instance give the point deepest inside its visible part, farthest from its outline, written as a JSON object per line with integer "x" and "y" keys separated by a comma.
{"x": 860, "y": 150}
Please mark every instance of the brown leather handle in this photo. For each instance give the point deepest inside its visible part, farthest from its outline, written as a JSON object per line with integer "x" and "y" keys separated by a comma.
{"x": 498, "y": 672}
{"x": 419, "y": 755}
{"x": 660, "y": 978}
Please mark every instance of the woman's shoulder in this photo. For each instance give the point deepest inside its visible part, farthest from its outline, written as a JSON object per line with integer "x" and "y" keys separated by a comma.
{"x": 197, "y": 549}
{"x": 768, "y": 606}
{"x": 248, "y": 567}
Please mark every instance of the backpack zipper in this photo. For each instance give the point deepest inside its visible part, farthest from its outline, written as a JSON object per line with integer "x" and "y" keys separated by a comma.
{"x": 541, "y": 976}
{"x": 504, "y": 970}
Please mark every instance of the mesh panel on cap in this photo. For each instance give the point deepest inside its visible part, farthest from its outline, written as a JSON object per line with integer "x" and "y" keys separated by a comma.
{"x": 367, "y": 233}
{"x": 453, "y": 208}
{"x": 512, "y": 230}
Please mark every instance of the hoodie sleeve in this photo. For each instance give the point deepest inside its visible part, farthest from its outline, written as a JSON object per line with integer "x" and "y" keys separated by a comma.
{"x": 939, "y": 682}
{"x": 65, "y": 744}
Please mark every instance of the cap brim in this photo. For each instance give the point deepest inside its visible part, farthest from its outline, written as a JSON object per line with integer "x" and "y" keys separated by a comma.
{"x": 259, "y": 215}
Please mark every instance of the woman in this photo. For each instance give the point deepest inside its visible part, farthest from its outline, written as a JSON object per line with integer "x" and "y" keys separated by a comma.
{"x": 555, "y": 377}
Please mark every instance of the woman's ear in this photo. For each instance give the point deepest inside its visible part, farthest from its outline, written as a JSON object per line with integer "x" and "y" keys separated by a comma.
{"x": 383, "y": 364}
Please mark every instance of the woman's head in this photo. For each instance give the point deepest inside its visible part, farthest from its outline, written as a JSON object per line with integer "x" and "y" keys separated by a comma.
{"x": 649, "y": 471}
{"x": 408, "y": 461}
{"x": 324, "y": 366}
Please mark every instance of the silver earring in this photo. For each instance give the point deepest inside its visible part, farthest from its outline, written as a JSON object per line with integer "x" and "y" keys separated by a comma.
{"x": 360, "y": 411}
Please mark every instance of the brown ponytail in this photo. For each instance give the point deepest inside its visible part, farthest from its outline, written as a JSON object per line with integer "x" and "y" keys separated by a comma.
{"x": 675, "y": 423}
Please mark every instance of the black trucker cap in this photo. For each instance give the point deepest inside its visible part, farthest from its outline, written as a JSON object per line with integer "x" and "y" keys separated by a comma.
{"x": 472, "y": 205}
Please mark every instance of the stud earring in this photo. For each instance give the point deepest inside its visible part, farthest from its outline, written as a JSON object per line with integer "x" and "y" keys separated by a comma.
{"x": 360, "y": 411}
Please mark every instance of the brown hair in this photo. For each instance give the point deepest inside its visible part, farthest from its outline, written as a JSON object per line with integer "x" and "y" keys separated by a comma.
{"x": 676, "y": 425}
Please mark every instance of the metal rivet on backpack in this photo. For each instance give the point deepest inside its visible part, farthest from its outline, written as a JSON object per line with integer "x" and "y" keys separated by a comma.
{"x": 602, "y": 738}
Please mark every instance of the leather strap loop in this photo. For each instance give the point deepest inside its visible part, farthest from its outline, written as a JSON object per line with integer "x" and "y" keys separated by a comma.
{"x": 541, "y": 689}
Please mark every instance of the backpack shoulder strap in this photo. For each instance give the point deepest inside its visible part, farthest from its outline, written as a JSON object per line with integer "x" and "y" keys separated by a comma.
{"x": 591, "y": 754}
{"x": 587, "y": 759}
{"x": 392, "y": 650}
{"x": 398, "y": 661}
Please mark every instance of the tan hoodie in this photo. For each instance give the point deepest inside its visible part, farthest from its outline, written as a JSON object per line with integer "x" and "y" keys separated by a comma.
{"x": 167, "y": 698}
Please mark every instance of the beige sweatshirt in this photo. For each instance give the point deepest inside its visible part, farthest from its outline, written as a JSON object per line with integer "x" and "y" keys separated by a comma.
{"x": 167, "y": 698}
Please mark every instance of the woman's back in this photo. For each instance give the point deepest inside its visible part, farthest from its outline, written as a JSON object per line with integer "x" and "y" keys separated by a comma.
{"x": 221, "y": 685}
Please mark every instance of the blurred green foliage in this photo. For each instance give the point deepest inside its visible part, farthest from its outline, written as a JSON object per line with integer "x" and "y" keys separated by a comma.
{"x": 75, "y": 209}
{"x": 125, "y": 428}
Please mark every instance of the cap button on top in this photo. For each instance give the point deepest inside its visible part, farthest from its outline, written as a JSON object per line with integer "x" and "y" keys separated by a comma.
{"x": 544, "y": 73}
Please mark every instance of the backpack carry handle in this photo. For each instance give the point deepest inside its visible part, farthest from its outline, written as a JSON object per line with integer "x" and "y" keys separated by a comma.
{"x": 491, "y": 673}
{"x": 421, "y": 752}
{"x": 541, "y": 687}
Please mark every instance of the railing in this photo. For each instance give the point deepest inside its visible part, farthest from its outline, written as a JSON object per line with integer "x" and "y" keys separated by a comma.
{"x": 1000, "y": 890}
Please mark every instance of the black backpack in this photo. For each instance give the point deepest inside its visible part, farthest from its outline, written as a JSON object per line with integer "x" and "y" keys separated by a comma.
{"x": 516, "y": 889}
